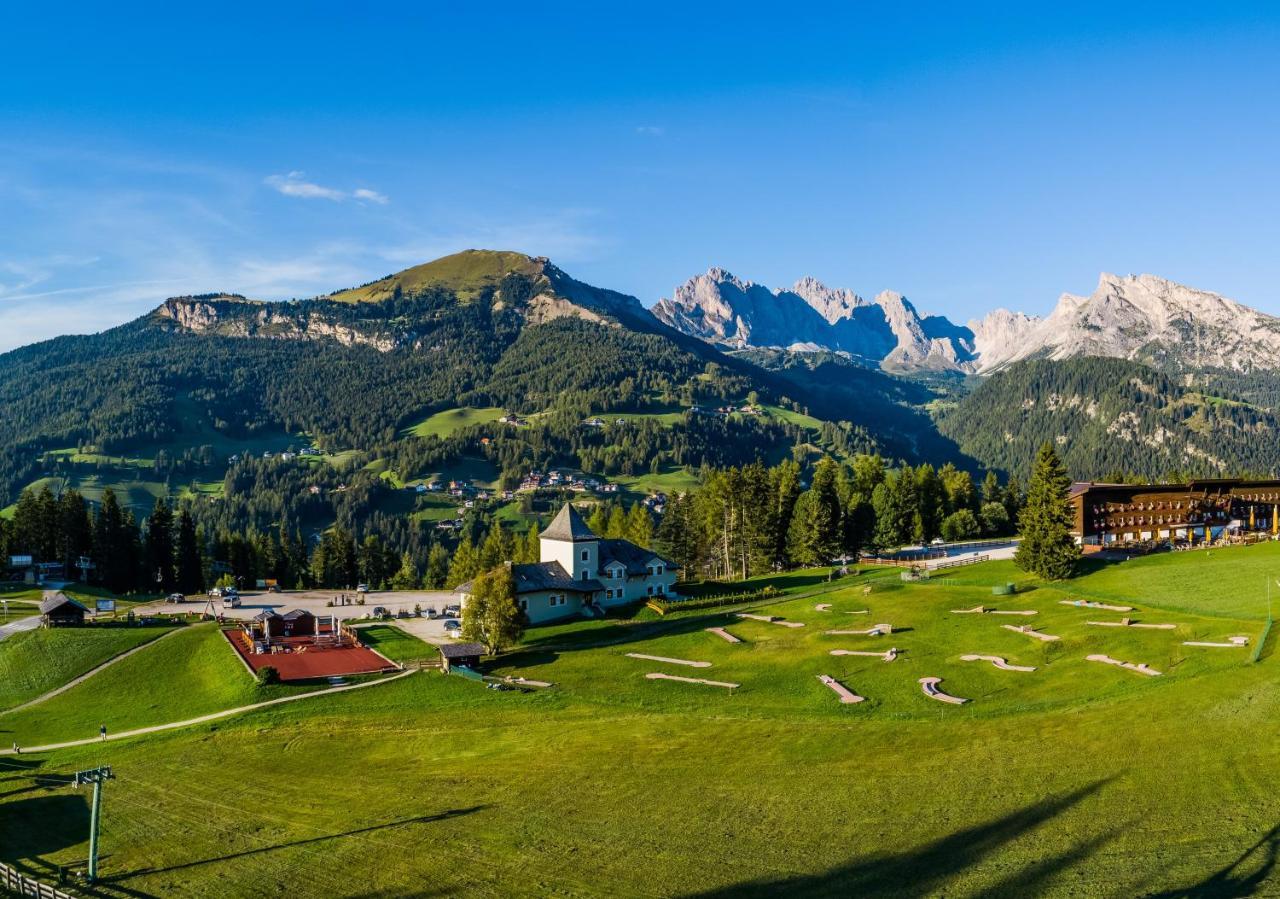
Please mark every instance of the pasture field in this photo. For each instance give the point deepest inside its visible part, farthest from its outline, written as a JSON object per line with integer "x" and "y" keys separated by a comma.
{"x": 1078, "y": 778}
{"x": 443, "y": 424}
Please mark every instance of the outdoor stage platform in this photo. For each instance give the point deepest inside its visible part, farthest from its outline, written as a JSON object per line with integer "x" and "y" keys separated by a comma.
{"x": 304, "y": 660}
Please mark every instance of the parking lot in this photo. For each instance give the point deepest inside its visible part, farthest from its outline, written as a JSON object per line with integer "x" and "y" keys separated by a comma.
{"x": 328, "y": 602}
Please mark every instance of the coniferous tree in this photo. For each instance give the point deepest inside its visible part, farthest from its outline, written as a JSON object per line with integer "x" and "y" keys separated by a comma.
{"x": 159, "y": 572}
{"x": 437, "y": 568}
{"x": 639, "y": 526}
{"x": 190, "y": 565}
{"x": 464, "y": 565}
{"x": 1047, "y": 548}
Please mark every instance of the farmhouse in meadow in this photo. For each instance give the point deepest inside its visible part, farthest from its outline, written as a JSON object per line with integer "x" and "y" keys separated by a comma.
{"x": 581, "y": 573}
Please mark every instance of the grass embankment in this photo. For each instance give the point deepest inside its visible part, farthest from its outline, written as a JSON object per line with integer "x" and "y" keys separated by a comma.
{"x": 34, "y": 662}
{"x": 443, "y": 424}
{"x": 1075, "y": 779}
{"x": 190, "y": 674}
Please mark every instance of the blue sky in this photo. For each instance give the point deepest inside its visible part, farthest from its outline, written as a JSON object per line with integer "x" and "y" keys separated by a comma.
{"x": 967, "y": 155}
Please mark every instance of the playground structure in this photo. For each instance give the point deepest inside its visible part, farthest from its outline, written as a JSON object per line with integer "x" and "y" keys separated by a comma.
{"x": 1030, "y": 632}
{"x": 997, "y": 661}
{"x": 846, "y": 695}
{"x": 669, "y": 661}
{"x": 1136, "y": 667}
{"x": 302, "y": 646}
{"x": 929, "y": 685}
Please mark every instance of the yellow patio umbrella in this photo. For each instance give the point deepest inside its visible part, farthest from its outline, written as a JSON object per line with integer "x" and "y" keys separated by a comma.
{"x": 1251, "y": 518}
{"x": 1275, "y": 520}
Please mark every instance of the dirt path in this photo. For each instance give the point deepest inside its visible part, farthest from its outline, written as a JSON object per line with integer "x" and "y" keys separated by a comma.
{"x": 88, "y": 674}
{"x": 212, "y": 716}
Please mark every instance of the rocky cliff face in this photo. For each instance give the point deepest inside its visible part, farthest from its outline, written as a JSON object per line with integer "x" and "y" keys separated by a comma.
{"x": 1146, "y": 319}
{"x": 723, "y": 309}
{"x": 1137, "y": 317}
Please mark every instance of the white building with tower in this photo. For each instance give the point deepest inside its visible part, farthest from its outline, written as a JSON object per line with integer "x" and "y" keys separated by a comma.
{"x": 582, "y": 574}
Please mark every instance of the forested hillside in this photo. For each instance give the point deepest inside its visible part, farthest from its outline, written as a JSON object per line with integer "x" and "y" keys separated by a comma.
{"x": 1111, "y": 416}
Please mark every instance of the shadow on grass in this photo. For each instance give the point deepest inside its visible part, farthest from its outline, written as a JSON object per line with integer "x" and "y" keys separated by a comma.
{"x": 1259, "y": 861}
{"x": 231, "y": 856}
{"x": 32, "y": 828}
{"x": 927, "y": 869}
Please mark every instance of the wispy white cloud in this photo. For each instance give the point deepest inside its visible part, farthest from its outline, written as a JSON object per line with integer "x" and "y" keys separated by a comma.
{"x": 295, "y": 184}
{"x": 651, "y": 130}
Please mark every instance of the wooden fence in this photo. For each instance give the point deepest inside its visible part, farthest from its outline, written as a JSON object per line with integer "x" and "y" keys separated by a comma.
{"x": 19, "y": 884}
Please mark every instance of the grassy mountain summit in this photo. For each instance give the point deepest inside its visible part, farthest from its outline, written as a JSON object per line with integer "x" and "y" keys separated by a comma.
{"x": 466, "y": 274}
{"x": 530, "y": 283}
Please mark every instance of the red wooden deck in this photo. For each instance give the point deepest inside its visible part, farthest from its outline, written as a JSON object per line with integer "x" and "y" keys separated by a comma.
{"x": 306, "y": 661}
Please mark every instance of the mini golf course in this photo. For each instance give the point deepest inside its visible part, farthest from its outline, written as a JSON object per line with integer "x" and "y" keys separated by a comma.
{"x": 616, "y": 781}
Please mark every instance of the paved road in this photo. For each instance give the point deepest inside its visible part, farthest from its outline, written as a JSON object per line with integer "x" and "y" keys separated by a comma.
{"x": 17, "y": 627}
{"x": 214, "y": 716}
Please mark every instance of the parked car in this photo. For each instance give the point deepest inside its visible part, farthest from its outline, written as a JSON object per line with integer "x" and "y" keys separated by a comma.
{"x": 429, "y": 611}
{"x": 453, "y": 611}
{"x": 231, "y": 601}
{"x": 215, "y": 593}
{"x": 274, "y": 588}
{"x": 176, "y": 597}
{"x": 379, "y": 612}
{"x": 453, "y": 626}
{"x": 362, "y": 588}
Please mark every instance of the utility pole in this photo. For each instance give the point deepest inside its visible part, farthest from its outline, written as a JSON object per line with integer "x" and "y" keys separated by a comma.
{"x": 94, "y": 776}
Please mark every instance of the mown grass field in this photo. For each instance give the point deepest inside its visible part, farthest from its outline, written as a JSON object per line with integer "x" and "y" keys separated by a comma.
{"x": 1075, "y": 779}
{"x": 34, "y": 662}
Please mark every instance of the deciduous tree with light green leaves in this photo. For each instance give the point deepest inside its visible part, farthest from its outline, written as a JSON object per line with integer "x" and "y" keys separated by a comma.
{"x": 491, "y": 616}
{"x": 1047, "y": 548}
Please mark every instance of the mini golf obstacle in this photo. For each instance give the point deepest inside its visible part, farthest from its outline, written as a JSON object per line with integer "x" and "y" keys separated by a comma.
{"x": 1137, "y": 667}
{"x": 1232, "y": 643}
{"x": 983, "y": 610}
{"x": 770, "y": 619}
{"x": 1030, "y": 632}
{"x": 1090, "y": 604}
{"x": 1129, "y": 622}
{"x": 647, "y": 658}
{"x": 657, "y": 675}
{"x": 878, "y": 630}
{"x": 723, "y": 634}
{"x": 998, "y": 661}
{"x": 846, "y": 695}
{"x": 822, "y": 607}
{"x": 888, "y": 655}
{"x": 929, "y": 685}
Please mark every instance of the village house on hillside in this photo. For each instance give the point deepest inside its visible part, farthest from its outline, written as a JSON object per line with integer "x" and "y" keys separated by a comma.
{"x": 581, "y": 573}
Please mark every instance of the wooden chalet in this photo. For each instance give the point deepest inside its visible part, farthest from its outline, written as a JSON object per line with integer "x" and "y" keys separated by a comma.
{"x": 60, "y": 610}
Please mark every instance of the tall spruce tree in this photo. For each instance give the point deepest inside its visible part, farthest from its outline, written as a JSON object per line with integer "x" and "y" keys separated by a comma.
{"x": 1047, "y": 548}
{"x": 159, "y": 574}
{"x": 190, "y": 565}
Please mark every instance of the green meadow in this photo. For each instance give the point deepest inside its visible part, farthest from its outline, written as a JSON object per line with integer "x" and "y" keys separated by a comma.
{"x": 1078, "y": 778}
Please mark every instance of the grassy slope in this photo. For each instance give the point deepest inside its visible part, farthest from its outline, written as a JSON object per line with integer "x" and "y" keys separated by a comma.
{"x": 189, "y": 674}
{"x": 1078, "y": 778}
{"x": 465, "y": 273}
{"x": 442, "y": 424}
{"x": 35, "y": 662}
